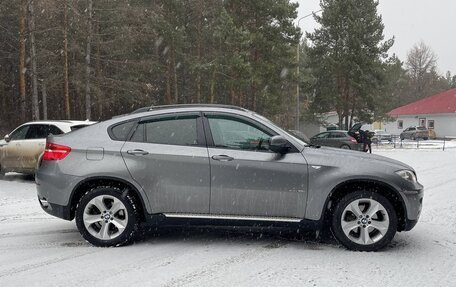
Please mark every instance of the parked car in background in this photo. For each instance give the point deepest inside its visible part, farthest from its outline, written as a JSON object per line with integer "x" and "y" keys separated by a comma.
{"x": 380, "y": 135}
{"x": 220, "y": 165}
{"x": 21, "y": 149}
{"x": 414, "y": 133}
{"x": 338, "y": 139}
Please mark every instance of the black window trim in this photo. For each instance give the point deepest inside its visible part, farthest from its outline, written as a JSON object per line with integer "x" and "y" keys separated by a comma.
{"x": 255, "y": 123}
{"x": 161, "y": 117}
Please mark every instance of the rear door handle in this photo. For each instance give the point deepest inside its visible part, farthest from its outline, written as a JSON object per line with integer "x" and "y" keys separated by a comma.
{"x": 137, "y": 152}
{"x": 222, "y": 157}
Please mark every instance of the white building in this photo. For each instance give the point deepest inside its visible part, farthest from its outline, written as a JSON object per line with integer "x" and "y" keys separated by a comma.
{"x": 436, "y": 112}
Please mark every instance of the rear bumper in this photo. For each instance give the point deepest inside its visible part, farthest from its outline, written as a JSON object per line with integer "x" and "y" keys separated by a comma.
{"x": 60, "y": 211}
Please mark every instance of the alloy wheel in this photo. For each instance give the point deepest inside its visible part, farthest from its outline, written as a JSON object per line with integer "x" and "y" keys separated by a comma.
{"x": 365, "y": 221}
{"x": 105, "y": 217}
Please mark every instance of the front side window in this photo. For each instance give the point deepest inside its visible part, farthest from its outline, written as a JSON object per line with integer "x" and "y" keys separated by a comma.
{"x": 322, "y": 136}
{"x": 172, "y": 131}
{"x": 20, "y": 133}
{"x": 234, "y": 133}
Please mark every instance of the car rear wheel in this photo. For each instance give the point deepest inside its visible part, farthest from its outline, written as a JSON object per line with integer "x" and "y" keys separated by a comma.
{"x": 106, "y": 216}
{"x": 345, "y": 146}
{"x": 364, "y": 221}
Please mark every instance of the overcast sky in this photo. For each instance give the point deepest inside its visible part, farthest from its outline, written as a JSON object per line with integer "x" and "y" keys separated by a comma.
{"x": 410, "y": 21}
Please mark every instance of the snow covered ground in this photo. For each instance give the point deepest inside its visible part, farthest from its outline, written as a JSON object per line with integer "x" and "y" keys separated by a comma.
{"x": 39, "y": 250}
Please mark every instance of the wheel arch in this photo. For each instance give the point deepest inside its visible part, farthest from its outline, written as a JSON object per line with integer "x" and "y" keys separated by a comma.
{"x": 385, "y": 189}
{"x": 82, "y": 187}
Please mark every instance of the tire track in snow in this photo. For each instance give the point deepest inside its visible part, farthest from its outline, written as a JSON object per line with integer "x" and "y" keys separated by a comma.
{"x": 28, "y": 267}
{"x": 206, "y": 271}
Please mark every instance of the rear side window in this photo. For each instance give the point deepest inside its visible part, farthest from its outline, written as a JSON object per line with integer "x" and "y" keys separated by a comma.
{"x": 337, "y": 135}
{"x": 172, "y": 131}
{"x": 38, "y": 132}
{"x": 120, "y": 132}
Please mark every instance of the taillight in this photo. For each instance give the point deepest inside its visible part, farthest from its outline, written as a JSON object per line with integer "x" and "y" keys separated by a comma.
{"x": 353, "y": 140}
{"x": 55, "y": 151}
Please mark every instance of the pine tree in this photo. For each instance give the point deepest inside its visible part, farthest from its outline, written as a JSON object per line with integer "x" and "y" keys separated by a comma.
{"x": 348, "y": 53}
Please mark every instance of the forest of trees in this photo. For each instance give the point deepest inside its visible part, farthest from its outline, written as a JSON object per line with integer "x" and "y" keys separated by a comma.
{"x": 79, "y": 59}
{"x": 93, "y": 59}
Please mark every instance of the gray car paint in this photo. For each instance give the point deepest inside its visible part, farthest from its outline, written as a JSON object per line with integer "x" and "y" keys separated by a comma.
{"x": 291, "y": 193}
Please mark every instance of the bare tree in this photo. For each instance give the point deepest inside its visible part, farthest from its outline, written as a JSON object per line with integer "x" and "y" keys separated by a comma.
{"x": 66, "y": 89}
{"x": 421, "y": 65}
{"x": 35, "y": 106}
{"x": 88, "y": 102}
{"x": 22, "y": 20}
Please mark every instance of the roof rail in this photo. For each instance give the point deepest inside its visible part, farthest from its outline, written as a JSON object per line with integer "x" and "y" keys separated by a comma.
{"x": 162, "y": 107}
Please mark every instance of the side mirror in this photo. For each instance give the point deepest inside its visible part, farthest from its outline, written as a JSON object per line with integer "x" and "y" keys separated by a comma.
{"x": 279, "y": 144}
{"x": 7, "y": 138}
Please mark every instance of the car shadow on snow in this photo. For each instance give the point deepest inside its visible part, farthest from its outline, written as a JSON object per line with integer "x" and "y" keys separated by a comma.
{"x": 271, "y": 238}
{"x": 268, "y": 238}
{"x": 19, "y": 177}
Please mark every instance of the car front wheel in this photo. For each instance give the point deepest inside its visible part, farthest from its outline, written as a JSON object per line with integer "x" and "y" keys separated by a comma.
{"x": 364, "y": 221}
{"x": 105, "y": 217}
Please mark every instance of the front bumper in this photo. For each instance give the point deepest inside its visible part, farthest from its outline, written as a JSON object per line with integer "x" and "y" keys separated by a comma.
{"x": 414, "y": 204}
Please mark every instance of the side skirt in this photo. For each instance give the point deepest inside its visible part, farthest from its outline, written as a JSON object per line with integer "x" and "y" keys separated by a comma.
{"x": 207, "y": 220}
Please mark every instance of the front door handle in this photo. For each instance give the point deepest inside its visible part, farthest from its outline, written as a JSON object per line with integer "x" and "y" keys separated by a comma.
{"x": 222, "y": 157}
{"x": 137, "y": 152}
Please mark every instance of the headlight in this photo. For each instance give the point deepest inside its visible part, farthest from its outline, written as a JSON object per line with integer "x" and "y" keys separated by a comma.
{"x": 408, "y": 175}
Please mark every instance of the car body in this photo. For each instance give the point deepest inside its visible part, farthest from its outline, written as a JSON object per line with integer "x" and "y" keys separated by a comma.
{"x": 21, "y": 149}
{"x": 414, "y": 133}
{"x": 218, "y": 165}
{"x": 338, "y": 139}
{"x": 380, "y": 135}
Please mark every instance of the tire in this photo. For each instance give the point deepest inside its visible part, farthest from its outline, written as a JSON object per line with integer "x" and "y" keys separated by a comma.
{"x": 402, "y": 138}
{"x": 368, "y": 230}
{"x": 116, "y": 225}
{"x": 412, "y": 137}
{"x": 345, "y": 146}
{"x": 425, "y": 138}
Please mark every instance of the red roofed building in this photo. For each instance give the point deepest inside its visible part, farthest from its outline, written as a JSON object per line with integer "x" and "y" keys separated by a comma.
{"x": 437, "y": 112}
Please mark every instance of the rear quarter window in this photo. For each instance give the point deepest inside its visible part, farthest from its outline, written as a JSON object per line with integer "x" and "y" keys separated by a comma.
{"x": 121, "y": 131}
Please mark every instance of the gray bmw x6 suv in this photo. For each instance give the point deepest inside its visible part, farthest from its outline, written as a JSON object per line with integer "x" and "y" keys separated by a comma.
{"x": 219, "y": 165}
